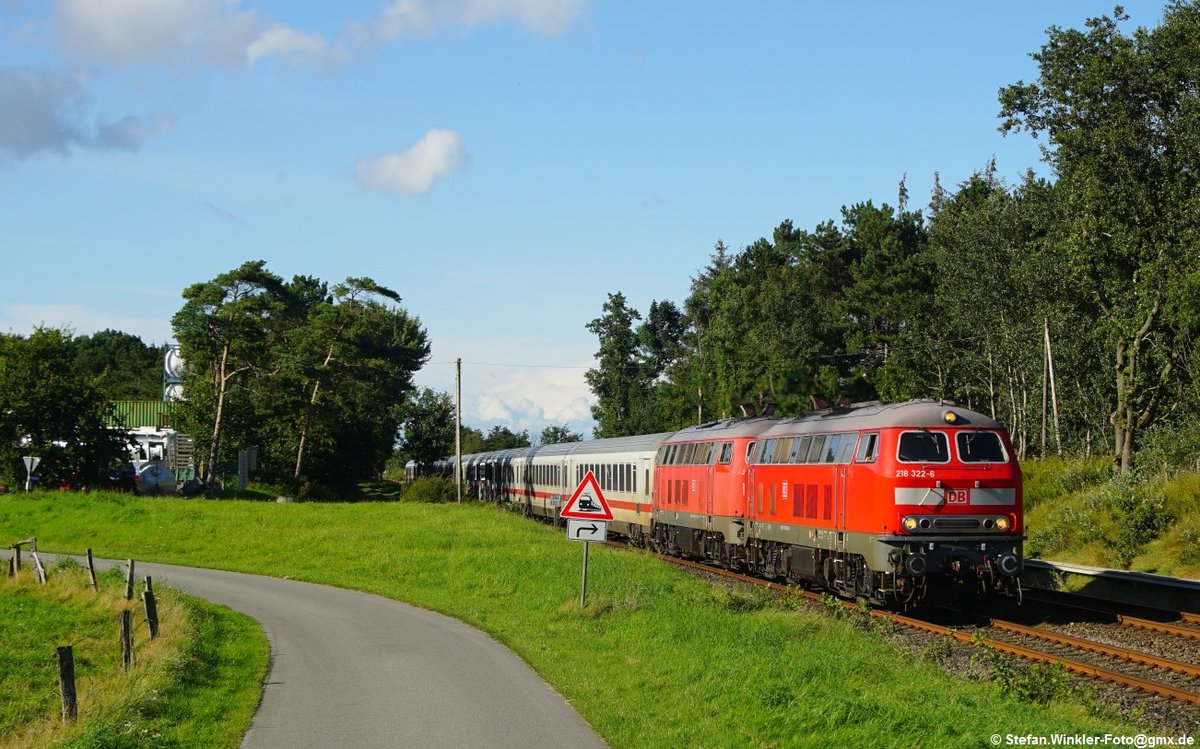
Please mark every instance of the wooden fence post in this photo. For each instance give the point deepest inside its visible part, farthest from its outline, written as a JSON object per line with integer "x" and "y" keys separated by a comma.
{"x": 17, "y": 555}
{"x": 66, "y": 683}
{"x": 126, "y": 640}
{"x": 91, "y": 569}
{"x": 151, "y": 612}
{"x": 12, "y": 570}
{"x": 38, "y": 569}
{"x": 129, "y": 582}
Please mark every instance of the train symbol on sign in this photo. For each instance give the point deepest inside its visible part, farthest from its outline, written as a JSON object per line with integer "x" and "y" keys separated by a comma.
{"x": 587, "y": 503}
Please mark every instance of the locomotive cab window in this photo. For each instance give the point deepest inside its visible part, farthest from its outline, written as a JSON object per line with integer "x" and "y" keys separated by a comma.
{"x": 924, "y": 447}
{"x": 868, "y": 448}
{"x": 726, "y": 453}
{"x": 980, "y": 447}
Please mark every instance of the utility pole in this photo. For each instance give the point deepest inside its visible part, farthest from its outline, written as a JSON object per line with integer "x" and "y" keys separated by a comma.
{"x": 458, "y": 427}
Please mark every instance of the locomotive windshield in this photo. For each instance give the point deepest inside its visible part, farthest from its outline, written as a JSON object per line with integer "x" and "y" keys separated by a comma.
{"x": 980, "y": 447}
{"x": 924, "y": 447}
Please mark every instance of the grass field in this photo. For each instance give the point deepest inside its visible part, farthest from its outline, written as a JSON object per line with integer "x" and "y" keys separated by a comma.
{"x": 197, "y": 685}
{"x": 657, "y": 658}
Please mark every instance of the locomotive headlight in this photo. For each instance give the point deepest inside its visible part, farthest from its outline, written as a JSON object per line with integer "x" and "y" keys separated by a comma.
{"x": 910, "y": 524}
{"x": 1001, "y": 524}
{"x": 950, "y": 417}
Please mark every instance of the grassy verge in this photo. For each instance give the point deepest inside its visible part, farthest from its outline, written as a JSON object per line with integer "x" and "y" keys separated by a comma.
{"x": 657, "y": 658}
{"x": 1077, "y": 511}
{"x": 197, "y": 685}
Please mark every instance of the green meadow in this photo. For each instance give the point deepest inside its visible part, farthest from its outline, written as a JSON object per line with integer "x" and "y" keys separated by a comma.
{"x": 657, "y": 658}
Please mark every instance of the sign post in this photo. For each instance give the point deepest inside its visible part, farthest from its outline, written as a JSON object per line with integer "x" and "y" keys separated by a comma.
{"x": 31, "y": 464}
{"x": 587, "y": 514}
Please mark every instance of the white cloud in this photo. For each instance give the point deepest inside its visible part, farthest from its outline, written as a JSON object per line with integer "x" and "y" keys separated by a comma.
{"x": 198, "y": 33}
{"x": 437, "y": 154}
{"x": 285, "y": 42}
{"x": 403, "y": 17}
{"x": 183, "y": 32}
{"x": 515, "y": 382}
{"x": 44, "y": 112}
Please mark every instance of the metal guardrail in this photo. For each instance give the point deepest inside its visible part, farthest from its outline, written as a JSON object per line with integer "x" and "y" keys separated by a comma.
{"x": 1123, "y": 586}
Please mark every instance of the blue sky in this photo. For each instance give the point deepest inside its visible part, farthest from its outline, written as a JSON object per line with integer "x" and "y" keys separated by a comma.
{"x": 502, "y": 164}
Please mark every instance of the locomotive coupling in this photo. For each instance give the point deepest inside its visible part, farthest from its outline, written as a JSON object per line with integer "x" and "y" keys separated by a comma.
{"x": 915, "y": 565}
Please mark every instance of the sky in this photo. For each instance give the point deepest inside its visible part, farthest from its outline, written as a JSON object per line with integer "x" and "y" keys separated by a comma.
{"x": 503, "y": 165}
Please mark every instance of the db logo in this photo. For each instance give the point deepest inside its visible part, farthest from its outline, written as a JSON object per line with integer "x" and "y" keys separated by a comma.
{"x": 956, "y": 496}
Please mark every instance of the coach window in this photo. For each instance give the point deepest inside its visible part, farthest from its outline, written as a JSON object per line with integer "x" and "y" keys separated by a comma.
{"x": 782, "y": 448}
{"x": 868, "y": 448}
{"x": 924, "y": 447}
{"x": 831, "y": 447}
{"x": 750, "y": 449}
{"x": 802, "y": 450}
{"x": 814, "y": 450}
{"x": 764, "y": 455}
{"x": 726, "y": 453}
{"x": 846, "y": 451}
{"x": 796, "y": 443}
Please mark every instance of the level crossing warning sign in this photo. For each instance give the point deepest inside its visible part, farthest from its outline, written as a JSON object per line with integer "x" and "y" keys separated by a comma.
{"x": 587, "y": 503}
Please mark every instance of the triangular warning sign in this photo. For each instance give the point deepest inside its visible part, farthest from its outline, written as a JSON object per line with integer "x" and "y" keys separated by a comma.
{"x": 587, "y": 503}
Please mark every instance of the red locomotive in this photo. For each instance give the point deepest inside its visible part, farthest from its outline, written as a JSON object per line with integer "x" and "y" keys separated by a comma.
{"x": 886, "y": 502}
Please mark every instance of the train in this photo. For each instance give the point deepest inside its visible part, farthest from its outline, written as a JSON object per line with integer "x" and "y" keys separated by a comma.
{"x": 891, "y": 503}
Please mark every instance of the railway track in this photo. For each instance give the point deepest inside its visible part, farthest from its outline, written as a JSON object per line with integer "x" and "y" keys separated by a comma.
{"x": 1093, "y": 657}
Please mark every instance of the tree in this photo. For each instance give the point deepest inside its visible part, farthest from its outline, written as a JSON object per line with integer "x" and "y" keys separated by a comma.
{"x": 558, "y": 434}
{"x": 120, "y": 365}
{"x": 223, "y": 330}
{"x": 1120, "y": 113}
{"x": 427, "y": 431}
{"x": 503, "y": 438}
{"x": 615, "y": 382}
{"x": 346, "y": 340}
{"x": 48, "y": 410}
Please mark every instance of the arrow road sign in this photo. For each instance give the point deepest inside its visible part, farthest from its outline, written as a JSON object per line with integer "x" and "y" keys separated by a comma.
{"x": 587, "y": 530}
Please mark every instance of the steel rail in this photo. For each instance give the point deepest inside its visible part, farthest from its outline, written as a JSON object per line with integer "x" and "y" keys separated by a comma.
{"x": 1133, "y": 656}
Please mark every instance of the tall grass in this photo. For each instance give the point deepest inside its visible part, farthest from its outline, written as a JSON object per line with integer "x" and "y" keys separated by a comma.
{"x": 1078, "y": 511}
{"x": 197, "y": 685}
{"x": 657, "y": 658}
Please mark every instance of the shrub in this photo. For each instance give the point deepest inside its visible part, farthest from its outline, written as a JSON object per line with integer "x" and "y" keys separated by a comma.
{"x": 430, "y": 489}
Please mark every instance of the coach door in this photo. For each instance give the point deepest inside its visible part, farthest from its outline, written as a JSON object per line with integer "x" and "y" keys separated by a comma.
{"x": 706, "y": 502}
{"x": 839, "y": 504}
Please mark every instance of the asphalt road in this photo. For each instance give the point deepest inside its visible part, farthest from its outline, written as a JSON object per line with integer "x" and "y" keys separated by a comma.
{"x": 352, "y": 670}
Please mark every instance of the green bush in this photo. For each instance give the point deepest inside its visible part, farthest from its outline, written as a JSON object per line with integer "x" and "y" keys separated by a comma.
{"x": 1190, "y": 535}
{"x": 430, "y": 490}
{"x": 1171, "y": 447}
